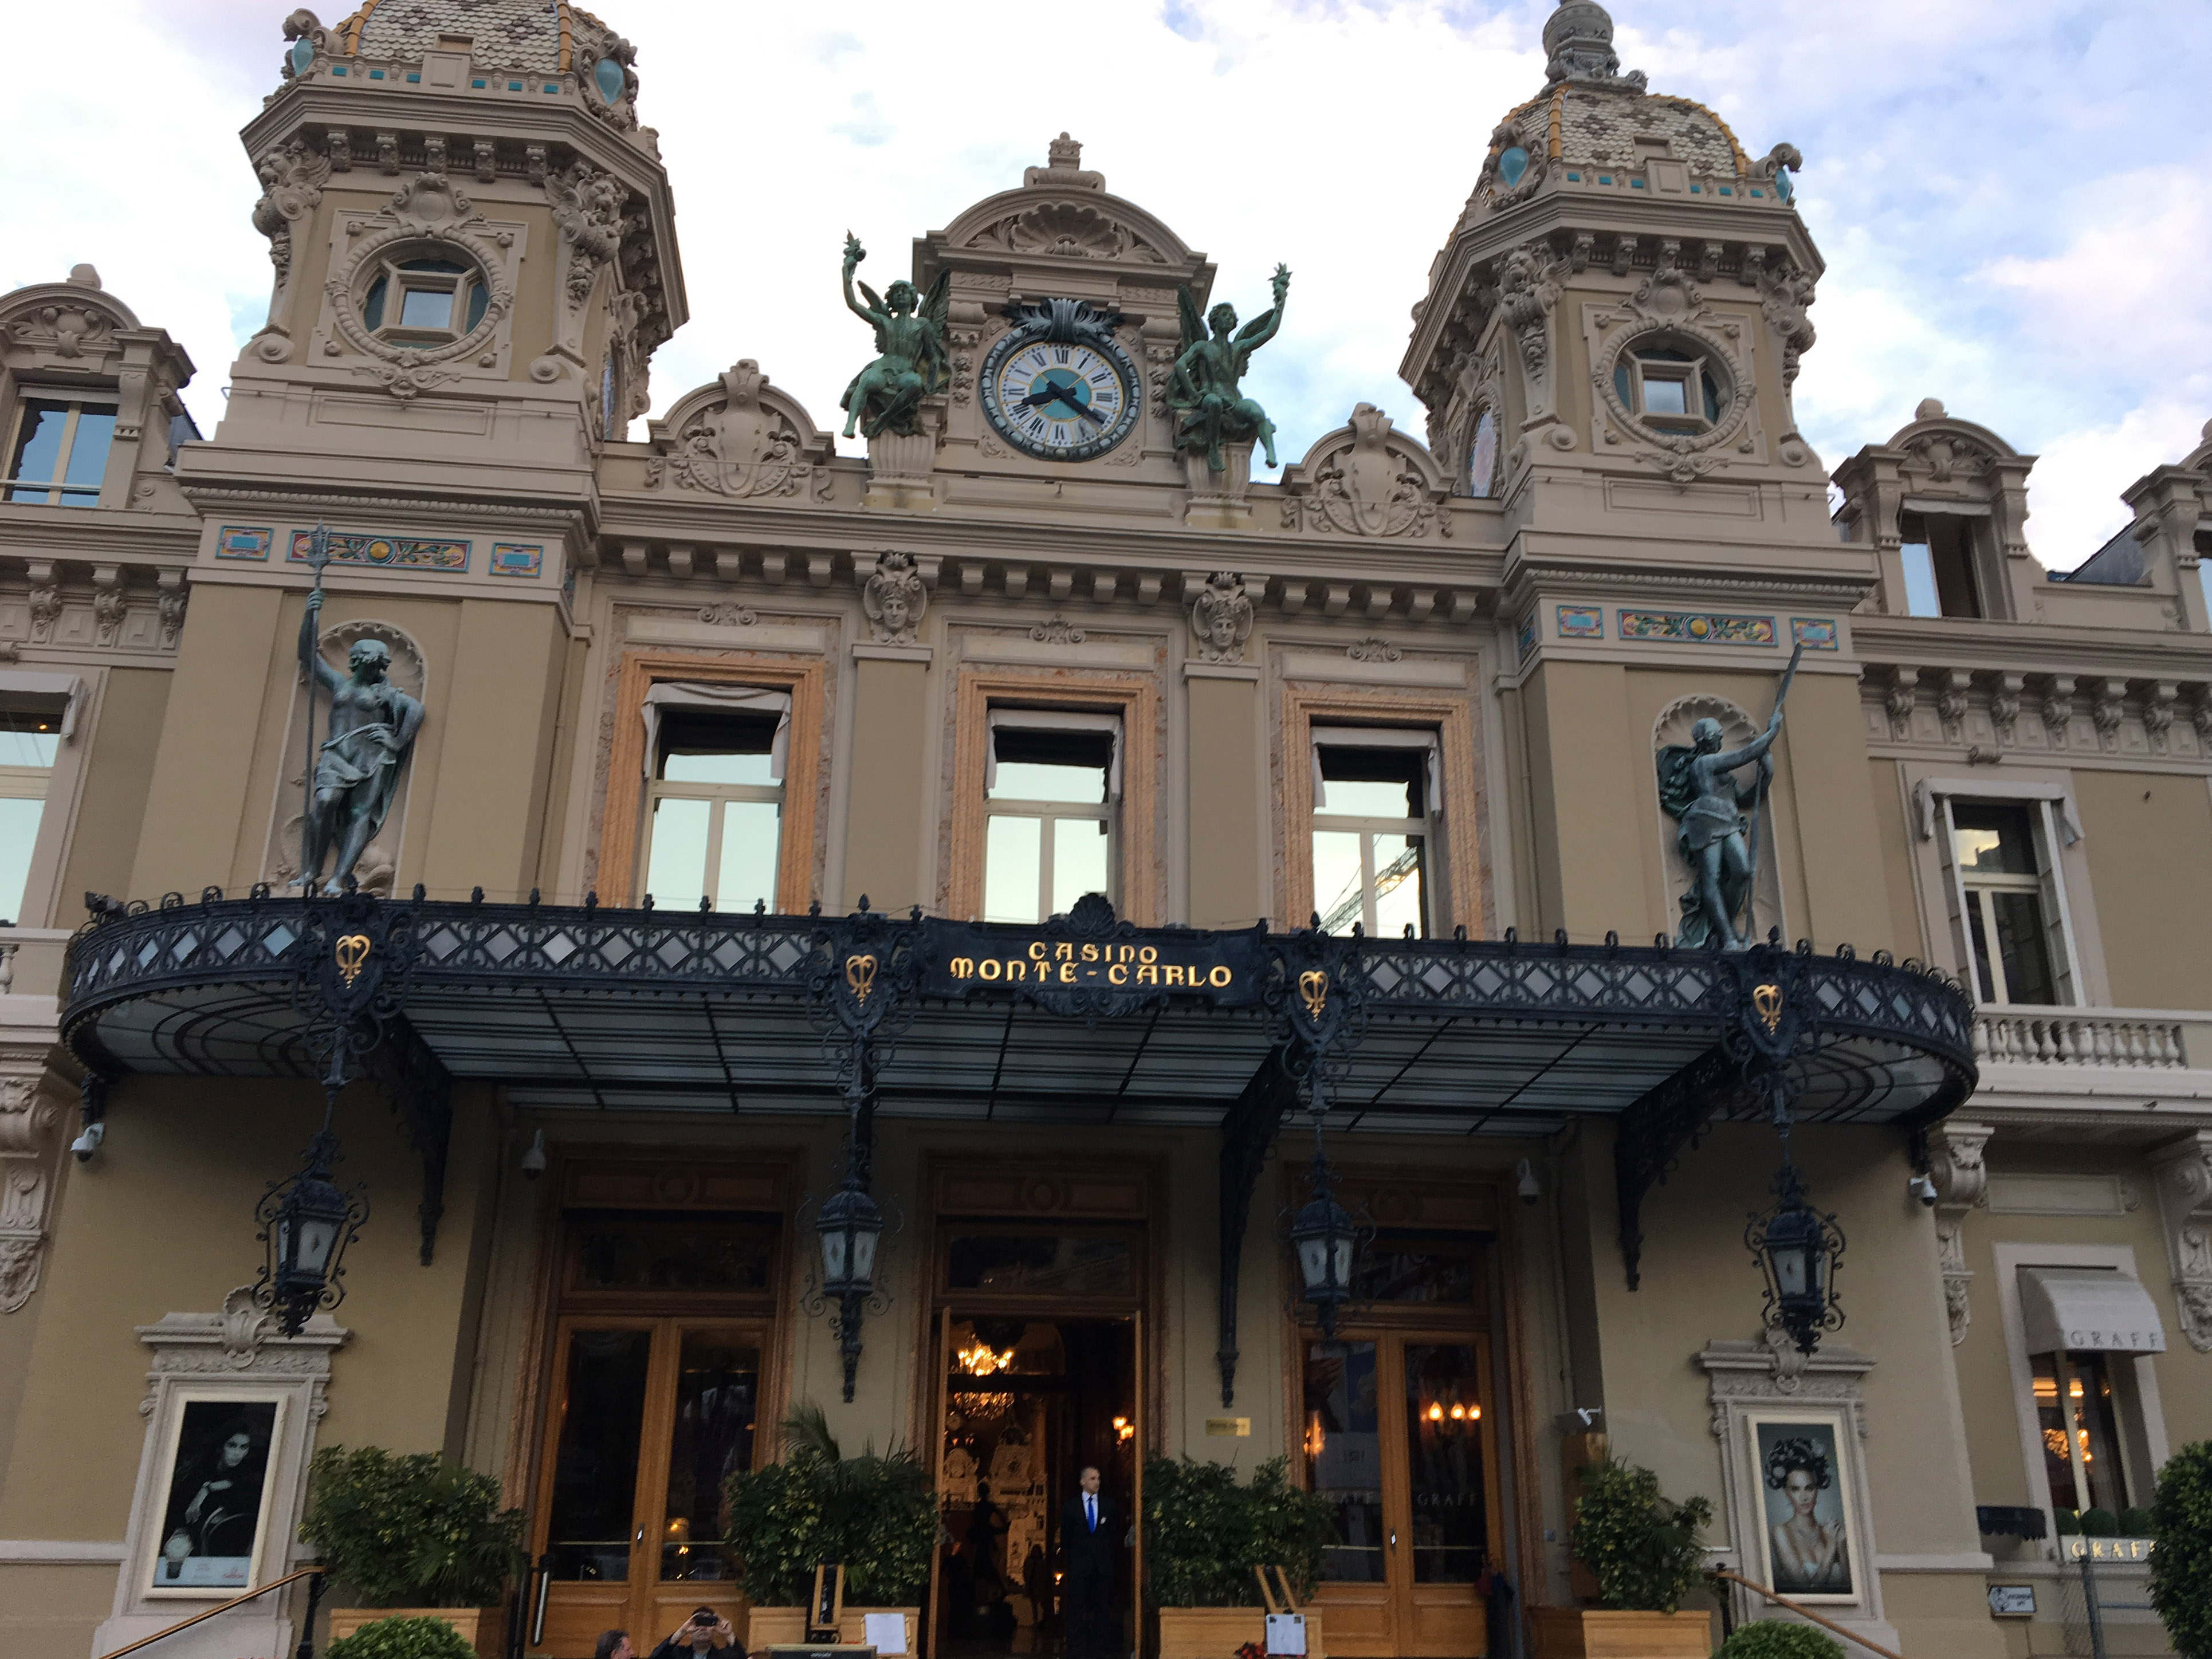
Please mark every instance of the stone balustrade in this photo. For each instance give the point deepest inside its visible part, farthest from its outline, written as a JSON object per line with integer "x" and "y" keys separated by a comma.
{"x": 2078, "y": 1036}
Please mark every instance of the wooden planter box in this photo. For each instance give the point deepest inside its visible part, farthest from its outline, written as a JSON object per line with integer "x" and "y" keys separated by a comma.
{"x": 1602, "y": 1633}
{"x": 786, "y": 1626}
{"x": 484, "y": 1628}
{"x": 1218, "y": 1632}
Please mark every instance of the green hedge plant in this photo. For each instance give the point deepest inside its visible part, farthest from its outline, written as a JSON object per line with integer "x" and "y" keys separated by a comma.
{"x": 1646, "y": 1553}
{"x": 1771, "y": 1638}
{"x": 413, "y": 1531}
{"x": 1204, "y": 1533}
{"x": 403, "y": 1639}
{"x": 875, "y": 1513}
{"x": 2181, "y": 1520}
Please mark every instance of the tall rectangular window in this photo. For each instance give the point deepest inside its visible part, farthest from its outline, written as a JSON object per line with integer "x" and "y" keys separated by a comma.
{"x": 30, "y": 740}
{"x": 2080, "y": 1410}
{"x": 1049, "y": 812}
{"x": 2012, "y": 913}
{"x": 1939, "y": 565}
{"x": 58, "y": 449}
{"x": 715, "y": 803}
{"x": 1373, "y": 802}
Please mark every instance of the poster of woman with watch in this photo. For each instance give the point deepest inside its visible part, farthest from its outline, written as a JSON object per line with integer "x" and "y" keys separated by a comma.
{"x": 218, "y": 1496}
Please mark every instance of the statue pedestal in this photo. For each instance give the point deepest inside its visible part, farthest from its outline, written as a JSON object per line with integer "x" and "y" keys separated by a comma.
{"x": 900, "y": 469}
{"x": 1217, "y": 500}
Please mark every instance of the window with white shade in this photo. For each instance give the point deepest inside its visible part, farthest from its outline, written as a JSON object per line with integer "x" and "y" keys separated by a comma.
{"x": 2082, "y": 1329}
{"x": 1051, "y": 789}
{"x": 30, "y": 740}
{"x": 1375, "y": 796}
{"x": 2007, "y": 901}
{"x": 714, "y": 797}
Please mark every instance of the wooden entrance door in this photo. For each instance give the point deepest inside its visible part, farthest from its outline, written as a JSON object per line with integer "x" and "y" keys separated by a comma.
{"x": 1396, "y": 1436}
{"x": 650, "y": 1417}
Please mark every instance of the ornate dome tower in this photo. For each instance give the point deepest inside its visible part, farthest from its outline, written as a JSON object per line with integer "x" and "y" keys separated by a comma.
{"x": 1626, "y": 290}
{"x": 471, "y": 234}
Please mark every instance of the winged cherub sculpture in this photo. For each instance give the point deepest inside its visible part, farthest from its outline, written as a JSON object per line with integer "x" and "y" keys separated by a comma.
{"x": 910, "y": 364}
{"x": 1202, "y": 388}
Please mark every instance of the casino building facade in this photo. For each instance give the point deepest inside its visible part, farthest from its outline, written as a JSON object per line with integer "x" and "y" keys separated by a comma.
{"x": 917, "y": 932}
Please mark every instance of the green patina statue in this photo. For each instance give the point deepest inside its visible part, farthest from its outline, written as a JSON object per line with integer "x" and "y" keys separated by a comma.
{"x": 373, "y": 727}
{"x": 1202, "y": 388}
{"x": 911, "y": 364}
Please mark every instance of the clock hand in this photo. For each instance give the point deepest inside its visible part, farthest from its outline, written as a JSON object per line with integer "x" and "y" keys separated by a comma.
{"x": 1059, "y": 394}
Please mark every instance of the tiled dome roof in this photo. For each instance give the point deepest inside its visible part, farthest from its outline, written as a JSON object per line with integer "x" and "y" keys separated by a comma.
{"x": 520, "y": 34}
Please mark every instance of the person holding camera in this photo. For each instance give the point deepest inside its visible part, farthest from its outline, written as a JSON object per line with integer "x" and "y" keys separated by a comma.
{"x": 700, "y": 1635}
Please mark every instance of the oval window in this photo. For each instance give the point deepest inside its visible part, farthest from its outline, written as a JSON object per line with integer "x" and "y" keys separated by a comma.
{"x": 1512, "y": 162}
{"x": 1482, "y": 458}
{"x": 303, "y": 53}
{"x": 608, "y": 75}
{"x": 1783, "y": 187}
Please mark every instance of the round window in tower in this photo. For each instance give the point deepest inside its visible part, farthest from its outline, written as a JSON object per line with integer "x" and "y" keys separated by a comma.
{"x": 1512, "y": 163}
{"x": 607, "y": 76}
{"x": 1482, "y": 458}
{"x": 422, "y": 302}
{"x": 1672, "y": 386}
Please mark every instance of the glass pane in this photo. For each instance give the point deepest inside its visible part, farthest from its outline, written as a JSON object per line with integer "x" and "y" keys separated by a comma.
{"x": 1336, "y": 878}
{"x": 2089, "y": 1389}
{"x": 722, "y": 768}
{"x": 426, "y": 308}
{"x": 479, "y": 303}
{"x": 1399, "y": 886}
{"x": 671, "y": 1258}
{"x": 1080, "y": 846}
{"x": 38, "y": 442}
{"x": 1985, "y": 987}
{"x": 717, "y": 1392}
{"x": 1031, "y": 1261}
{"x": 2021, "y": 946}
{"x": 1080, "y": 785}
{"x": 1920, "y": 596}
{"x": 28, "y": 739}
{"x": 1373, "y": 783}
{"x": 371, "y": 308}
{"x": 1443, "y": 1439}
{"x": 1665, "y": 395}
{"x": 1386, "y": 1272}
{"x": 88, "y": 456}
{"x": 1993, "y": 840}
{"x": 19, "y": 832}
{"x": 1344, "y": 1456}
{"x": 2058, "y": 1467}
{"x": 751, "y": 832}
{"x": 1012, "y": 853}
{"x": 676, "y": 868}
{"x": 595, "y": 1464}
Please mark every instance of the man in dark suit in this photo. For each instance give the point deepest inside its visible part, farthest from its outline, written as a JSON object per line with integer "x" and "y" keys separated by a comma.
{"x": 1090, "y": 1536}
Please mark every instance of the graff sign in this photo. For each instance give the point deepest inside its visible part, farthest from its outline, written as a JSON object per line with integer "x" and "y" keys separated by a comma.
{"x": 1047, "y": 966}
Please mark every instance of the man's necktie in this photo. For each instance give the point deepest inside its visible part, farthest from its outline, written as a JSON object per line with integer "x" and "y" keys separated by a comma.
{"x": 1090, "y": 1511}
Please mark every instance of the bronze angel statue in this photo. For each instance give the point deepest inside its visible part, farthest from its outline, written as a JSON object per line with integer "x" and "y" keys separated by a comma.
{"x": 910, "y": 364}
{"x": 1202, "y": 388}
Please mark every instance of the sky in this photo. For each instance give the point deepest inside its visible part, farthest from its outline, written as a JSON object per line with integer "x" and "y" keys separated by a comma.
{"x": 2011, "y": 195}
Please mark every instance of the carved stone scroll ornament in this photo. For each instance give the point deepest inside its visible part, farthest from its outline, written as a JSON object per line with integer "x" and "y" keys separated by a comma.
{"x": 587, "y": 210}
{"x": 1367, "y": 487}
{"x": 741, "y": 448}
{"x": 894, "y": 597}
{"x": 1529, "y": 288}
{"x": 27, "y": 1120}
{"x": 1962, "y": 1184}
{"x": 292, "y": 181}
{"x": 1221, "y": 617}
{"x": 2185, "y": 1205}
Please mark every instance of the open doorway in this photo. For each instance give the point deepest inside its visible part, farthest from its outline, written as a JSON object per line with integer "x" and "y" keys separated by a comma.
{"x": 1028, "y": 1404}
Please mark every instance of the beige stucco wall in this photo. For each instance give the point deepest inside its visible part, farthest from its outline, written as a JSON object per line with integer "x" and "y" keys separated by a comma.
{"x": 2140, "y": 831}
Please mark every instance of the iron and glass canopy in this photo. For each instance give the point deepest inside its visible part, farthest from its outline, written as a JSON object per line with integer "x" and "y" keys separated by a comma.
{"x": 1085, "y": 1020}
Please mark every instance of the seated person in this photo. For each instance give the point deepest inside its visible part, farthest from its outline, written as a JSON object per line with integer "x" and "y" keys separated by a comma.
{"x": 701, "y": 1634}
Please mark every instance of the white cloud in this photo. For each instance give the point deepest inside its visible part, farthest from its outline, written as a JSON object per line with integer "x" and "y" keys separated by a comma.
{"x": 1975, "y": 173}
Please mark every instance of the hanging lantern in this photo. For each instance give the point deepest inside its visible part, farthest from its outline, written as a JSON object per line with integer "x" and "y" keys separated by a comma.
{"x": 1797, "y": 1250}
{"x": 305, "y": 1225}
{"x": 850, "y": 1223}
{"x": 1323, "y": 1237}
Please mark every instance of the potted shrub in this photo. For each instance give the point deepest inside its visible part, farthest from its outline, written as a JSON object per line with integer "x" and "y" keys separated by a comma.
{"x": 1647, "y": 1556}
{"x": 875, "y": 1513}
{"x": 417, "y": 1535}
{"x": 1771, "y": 1638}
{"x": 2181, "y": 1520}
{"x": 1203, "y": 1536}
{"x": 400, "y": 1636}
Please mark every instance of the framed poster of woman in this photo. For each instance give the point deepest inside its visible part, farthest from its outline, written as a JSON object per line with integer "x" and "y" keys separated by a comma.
{"x": 215, "y": 1493}
{"x": 1805, "y": 1546}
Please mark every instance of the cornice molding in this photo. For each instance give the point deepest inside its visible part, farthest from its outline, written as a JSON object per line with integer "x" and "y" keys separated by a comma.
{"x": 580, "y": 519}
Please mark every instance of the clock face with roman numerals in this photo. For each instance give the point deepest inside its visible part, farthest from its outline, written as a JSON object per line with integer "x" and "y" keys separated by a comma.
{"x": 1060, "y": 400}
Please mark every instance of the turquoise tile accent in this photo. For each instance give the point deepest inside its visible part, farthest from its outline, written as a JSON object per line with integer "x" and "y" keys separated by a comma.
{"x": 337, "y": 69}
{"x": 552, "y": 86}
{"x": 514, "y": 86}
{"x": 414, "y": 76}
{"x": 376, "y": 75}
{"x": 1636, "y": 183}
{"x": 1697, "y": 190}
{"x": 1725, "y": 191}
{"x": 478, "y": 85}
{"x": 512, "y": 559}
{"x": 1758, "y": 192}
{"x": 1605, "y": 178}
{"x": 1574, "y": 177}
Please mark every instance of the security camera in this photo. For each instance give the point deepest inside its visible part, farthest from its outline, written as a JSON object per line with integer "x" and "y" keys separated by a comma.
{"x": 1528, "y": 1187}
{"x": 533, "y": 1161}
{"x": 89, "y": 1143}
{"x": 1922, "y": 1187}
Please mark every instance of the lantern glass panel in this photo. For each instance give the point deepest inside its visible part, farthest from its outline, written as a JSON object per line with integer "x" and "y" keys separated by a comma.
{"x": 1313, "y": 1262}
{"x": 833, "y": 1256}
{"x": 318, "y": 1236}
{"x": 864, "y": 1252}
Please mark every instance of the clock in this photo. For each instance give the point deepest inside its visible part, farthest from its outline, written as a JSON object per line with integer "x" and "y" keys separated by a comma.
{"x": 1058, "y": 386}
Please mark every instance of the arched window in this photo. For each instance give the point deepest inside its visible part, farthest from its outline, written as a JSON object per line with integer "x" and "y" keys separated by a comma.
{"x": 424, "y": 302}
{"x": 1670, "y": 388}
